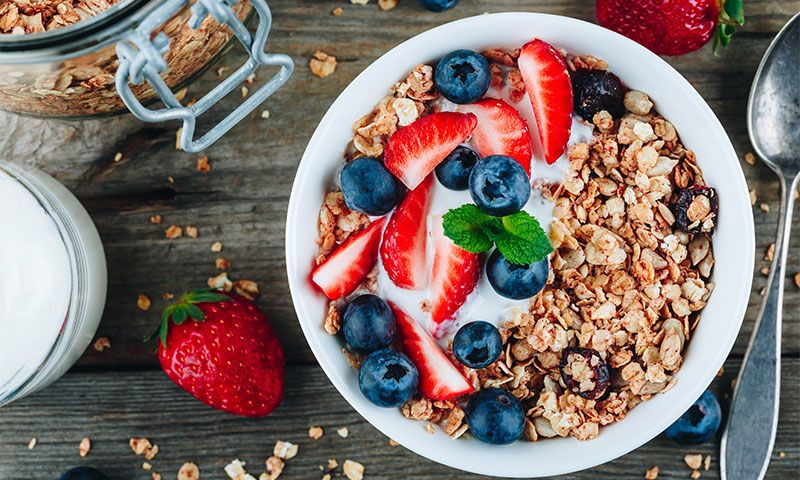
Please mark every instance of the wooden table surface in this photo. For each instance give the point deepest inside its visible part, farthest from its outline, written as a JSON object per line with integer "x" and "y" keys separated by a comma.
{"x": 120, "y": 393}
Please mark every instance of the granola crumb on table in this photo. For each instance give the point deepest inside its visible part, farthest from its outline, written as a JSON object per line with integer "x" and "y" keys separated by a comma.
{"x": 625, "y": 281}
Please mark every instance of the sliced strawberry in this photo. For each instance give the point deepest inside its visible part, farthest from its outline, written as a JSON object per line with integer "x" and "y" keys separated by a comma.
{"x": 348, "y": 265}
{"x": 547, "y": 82}
{"x": 439, "y": 379}
{"x": 455, "y": 275}
{"x": 403, "y": 248}
{"x": 415, "y": 150}
{"x": 501, "y": 131}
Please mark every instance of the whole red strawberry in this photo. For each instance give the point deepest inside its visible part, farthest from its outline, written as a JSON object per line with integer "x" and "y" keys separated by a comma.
{"x": 672, "y": 27}
{"x": 221, "y": 349}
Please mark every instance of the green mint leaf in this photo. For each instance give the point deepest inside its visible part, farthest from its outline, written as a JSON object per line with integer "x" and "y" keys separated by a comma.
{"x": 523, "y": 240}
{"x": 466, "y": 227}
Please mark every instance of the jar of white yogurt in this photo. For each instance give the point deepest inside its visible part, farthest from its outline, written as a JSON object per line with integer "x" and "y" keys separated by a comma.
{"x": 52, "y": 280}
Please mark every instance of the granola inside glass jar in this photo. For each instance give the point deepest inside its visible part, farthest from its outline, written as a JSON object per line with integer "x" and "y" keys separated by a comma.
{"x": 58, "y": 58}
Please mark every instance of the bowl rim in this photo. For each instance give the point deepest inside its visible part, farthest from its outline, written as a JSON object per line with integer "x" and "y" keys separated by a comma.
{"x": 376, "y": 416}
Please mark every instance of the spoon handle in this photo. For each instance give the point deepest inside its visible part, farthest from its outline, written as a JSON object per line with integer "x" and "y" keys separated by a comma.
{"x": 753, "y": 419}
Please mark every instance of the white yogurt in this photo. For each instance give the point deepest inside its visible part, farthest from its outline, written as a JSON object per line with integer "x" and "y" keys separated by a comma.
{"x": 484, "y": 303}
{"x": 35, "y": 284}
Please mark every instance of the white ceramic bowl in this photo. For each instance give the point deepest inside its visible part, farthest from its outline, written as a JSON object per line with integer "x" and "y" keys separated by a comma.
{"x": 699, "y": 129}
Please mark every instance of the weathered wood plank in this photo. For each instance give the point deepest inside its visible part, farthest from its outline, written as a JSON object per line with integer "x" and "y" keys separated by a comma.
{"x": 243, "y": 201}
{"x": 112, "y": 407}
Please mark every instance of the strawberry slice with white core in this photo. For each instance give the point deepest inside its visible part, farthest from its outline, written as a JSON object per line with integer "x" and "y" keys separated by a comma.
{"x": 547, "y": 82}
{"x": 348, "y": 265}
{"x": 501, "y": 130}
{"x": 413, "y": 151}
{"x": 439, "y": 378}
{"x": 403, "y": 249}
{"x": 455, "y": 275}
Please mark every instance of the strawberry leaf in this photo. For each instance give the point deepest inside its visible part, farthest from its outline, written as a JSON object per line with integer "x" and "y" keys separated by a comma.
{"x": 734, "y": 9}
{"x": 184, "y": 309}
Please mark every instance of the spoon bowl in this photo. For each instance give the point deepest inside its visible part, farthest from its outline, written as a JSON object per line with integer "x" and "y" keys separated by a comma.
{"x": 773, "y": 110}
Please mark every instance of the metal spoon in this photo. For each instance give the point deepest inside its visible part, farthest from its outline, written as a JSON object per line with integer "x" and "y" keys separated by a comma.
{"x": 773, "y": 120}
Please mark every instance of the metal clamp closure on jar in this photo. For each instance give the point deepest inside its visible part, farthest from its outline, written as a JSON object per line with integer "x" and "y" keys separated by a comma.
{"x": 141, "y": 58}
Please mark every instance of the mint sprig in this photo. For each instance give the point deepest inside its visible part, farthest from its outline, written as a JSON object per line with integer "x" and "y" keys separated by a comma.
{"x": 519, "y": 237}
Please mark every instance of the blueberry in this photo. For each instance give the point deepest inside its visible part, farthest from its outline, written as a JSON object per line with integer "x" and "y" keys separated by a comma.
{"x": 368, "y": 324}
{"x": 454, "y": 170}
{"x": 83, "y": 473}
{"x": 585, "y": 372}
{"x": 596, "y": 90}
{"x": 463, "y": 76}
{"x": 499, "y": 185}
{"x": 477, "y": 344}
{"x": 495, "y": 416}
{"x": 368, "y": 187}
{"x": 515, "y": 281}
{"x": 438, "y": 5}
{"x": 387, "y": 378}
{"x": 699, "y": 423}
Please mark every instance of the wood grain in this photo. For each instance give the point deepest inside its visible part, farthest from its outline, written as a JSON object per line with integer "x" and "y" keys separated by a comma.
{"x": 112, "y": 409}
{"x": 116, "y": 394}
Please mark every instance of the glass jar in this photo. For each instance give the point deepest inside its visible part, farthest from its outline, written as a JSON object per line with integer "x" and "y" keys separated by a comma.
{"x": 53, "y": 289}
{"x": 134, "y": 53}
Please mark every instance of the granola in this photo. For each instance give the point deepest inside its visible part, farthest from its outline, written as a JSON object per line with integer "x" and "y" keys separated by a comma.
{"x": 629, "y": 276}
{"x": 84, "y": 85}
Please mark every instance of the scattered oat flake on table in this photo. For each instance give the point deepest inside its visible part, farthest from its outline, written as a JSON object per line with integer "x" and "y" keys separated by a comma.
{"x": 102, "y": 344}
{"x": 315, "y": 433}
{"x": 181, "y": 94}
{"x": 178, "y": 138}
{"x": 235, "y": 470}
{"x": 32, "y": 443}
{"x": 284, "y": 450}
{"x": 343, "y": 432}
{"x": 265, "y": 114}
{"x": 765, "y": 271}
{"x": 192, "y": 231}
{"x": 143, "y": 302}
{"x": 781, "y": 454}
{"x": 750, "y": 158}
{"x": 332, "y": 464}
{"x": 695, "y": 474}
{"x": 151, "y": 452}
{"x": 216, "y": 247}
{"x": 247, "y": 289}
{"x": 336, "y": 12}
{"x": 189, "y": 471}
{"x": 167, "y": 296}
{"x": 147, "y": 466}
{"x": 707, "y": 462}
{"x": 155, "y": 219}
{"x": 393, "y": 443}
{"x": 221, "y": 71}
{"x": 250, "y": 78}
{"x": 359, "y": 2}
{"x": 220, "y": 282}
{"x": 245, "y": 91}
{"x": 693, "y": 460}
{"x": 322, "y": 64}
{"x": 764, "y": 207}
{"x": 274, "y": 468}
{"x": 155, "y": 476}
{"x": 118, "y": 156}
{"x": 353, "y": 470}
{"x": 84, "y": 447}
{"x": 770, "y": 253}
{"x": 327, "y": 476}
{"x": 387, "y": 4}
{"x": 202, "y": 165}
{"x": 170, "y": 179}
{"x": 139, "y": 445}
{"x": 222, "y": 263}
{"x": 651, "y": 474}
{"x": 753, "y": 197}
{"x": 173, "y": 232}
{"x": 797, "y": 279}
